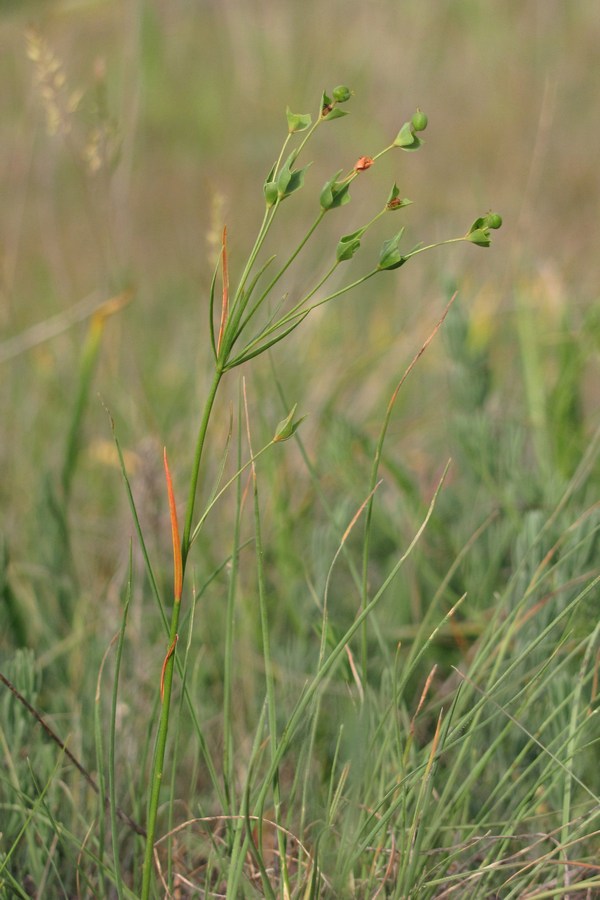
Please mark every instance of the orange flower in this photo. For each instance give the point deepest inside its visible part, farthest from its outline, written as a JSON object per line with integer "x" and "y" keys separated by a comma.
{"x": 365, "y": 162}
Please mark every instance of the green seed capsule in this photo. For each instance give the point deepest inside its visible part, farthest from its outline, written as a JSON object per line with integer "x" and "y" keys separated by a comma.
{"x": 341, "y": 93}
{"x": 419, "y": 121}
{"x": 494, "y": 220}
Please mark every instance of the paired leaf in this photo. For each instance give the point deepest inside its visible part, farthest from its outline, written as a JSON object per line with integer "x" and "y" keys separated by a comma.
{"x": 395, "y": 201}
{"x": 287, "y": 427}
{"x": 286, "y": 182}
{"x": 390, "y": 256}
{"x": 270, "y": 187}
{"x": 335, "y": 113}
{"x": 480, "y": 236}
{"x": 335, "y": 193}
{"x": 329, "y": 110}
{"x": 491, "y": 220}
{"x": 479, "y": 232}
{"x": 348, "y": 245}
{"x": 297, "y": 121}
{"x": 406, "y": 138}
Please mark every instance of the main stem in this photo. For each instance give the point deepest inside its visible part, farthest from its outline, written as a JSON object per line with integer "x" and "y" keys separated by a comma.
{"x": 159, "y": 754}
{"x": 189, "y": 514}
{"x": 167, "y": 675}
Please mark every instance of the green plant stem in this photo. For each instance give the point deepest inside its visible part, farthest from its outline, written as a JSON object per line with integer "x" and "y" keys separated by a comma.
{"x": 289, "y": 316}
{"x": 228, "y": 666}
{"x": 262, "y": 233}
{"x": 292, "y": 256}
{"x": 112, "y": 788}
{"x": 189, "y": 515}
{"x": 270, "y": 684}
{"x": 159, "y": 753}
{"x": 167, "y": 676}
{"x": 226, "y": 486}
{"x": 457, "y": 240}
{"x": 367, "y": 531}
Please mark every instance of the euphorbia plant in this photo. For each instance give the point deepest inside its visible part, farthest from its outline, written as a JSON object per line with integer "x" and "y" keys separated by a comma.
{"x": 238, "y": 335}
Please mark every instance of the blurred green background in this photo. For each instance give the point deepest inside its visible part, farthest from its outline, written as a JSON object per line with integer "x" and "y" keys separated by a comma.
{"x": 168, "y": 119}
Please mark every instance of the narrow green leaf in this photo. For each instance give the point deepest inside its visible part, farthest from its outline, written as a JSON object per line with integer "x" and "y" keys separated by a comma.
{"x": 211, "y": 308}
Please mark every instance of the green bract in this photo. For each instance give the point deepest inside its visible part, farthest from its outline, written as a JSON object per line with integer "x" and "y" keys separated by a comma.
{"x": 285, "y": 183}
{"x": 287, "y": 427}
{"x": 270, "y": 188}
{"x": 479, "y": 232}
{"x": 298, "y": 121}
{"x": 334, "y": 193}
{"x": 480, "y": 236}
{"x": 348, "y": 245}
{"x": 390, "y": 256}
{"x": 329, "y": 110}
{"x": 394, "y": 201}
{"x": 406, "y": 138}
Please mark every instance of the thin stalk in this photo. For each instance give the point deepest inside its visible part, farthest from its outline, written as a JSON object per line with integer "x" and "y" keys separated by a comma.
{"x": 571, "y": 746}
{"x": 189, "y": 515}
{"x": 367, "y": 531}
{"x": 112, "y": 788}
{"x": 292, "y": 257}
{"x": 184, "y": 669}
{"x": 226, "y": 487}
{"x": 289, "y": 317}
{"x": 228, "y": 717}
{"x": 100, "y": 765}
{"x": 156, "y": 592}
{"x": 457, "y": 240}
{"x": 159, "y": 753}
{"x": 271, "y": 329}
{"x": 336, "y": 294}
{"x": 242, "y": 841}
{"x": 262, "y": 233}
{"x": 165, "y": 687}
{"x": 373, "y": 481}
{"x": 269, "y": 676}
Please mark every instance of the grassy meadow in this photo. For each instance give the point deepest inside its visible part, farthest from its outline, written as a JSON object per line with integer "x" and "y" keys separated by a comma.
{"x": 375, "y": 670}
